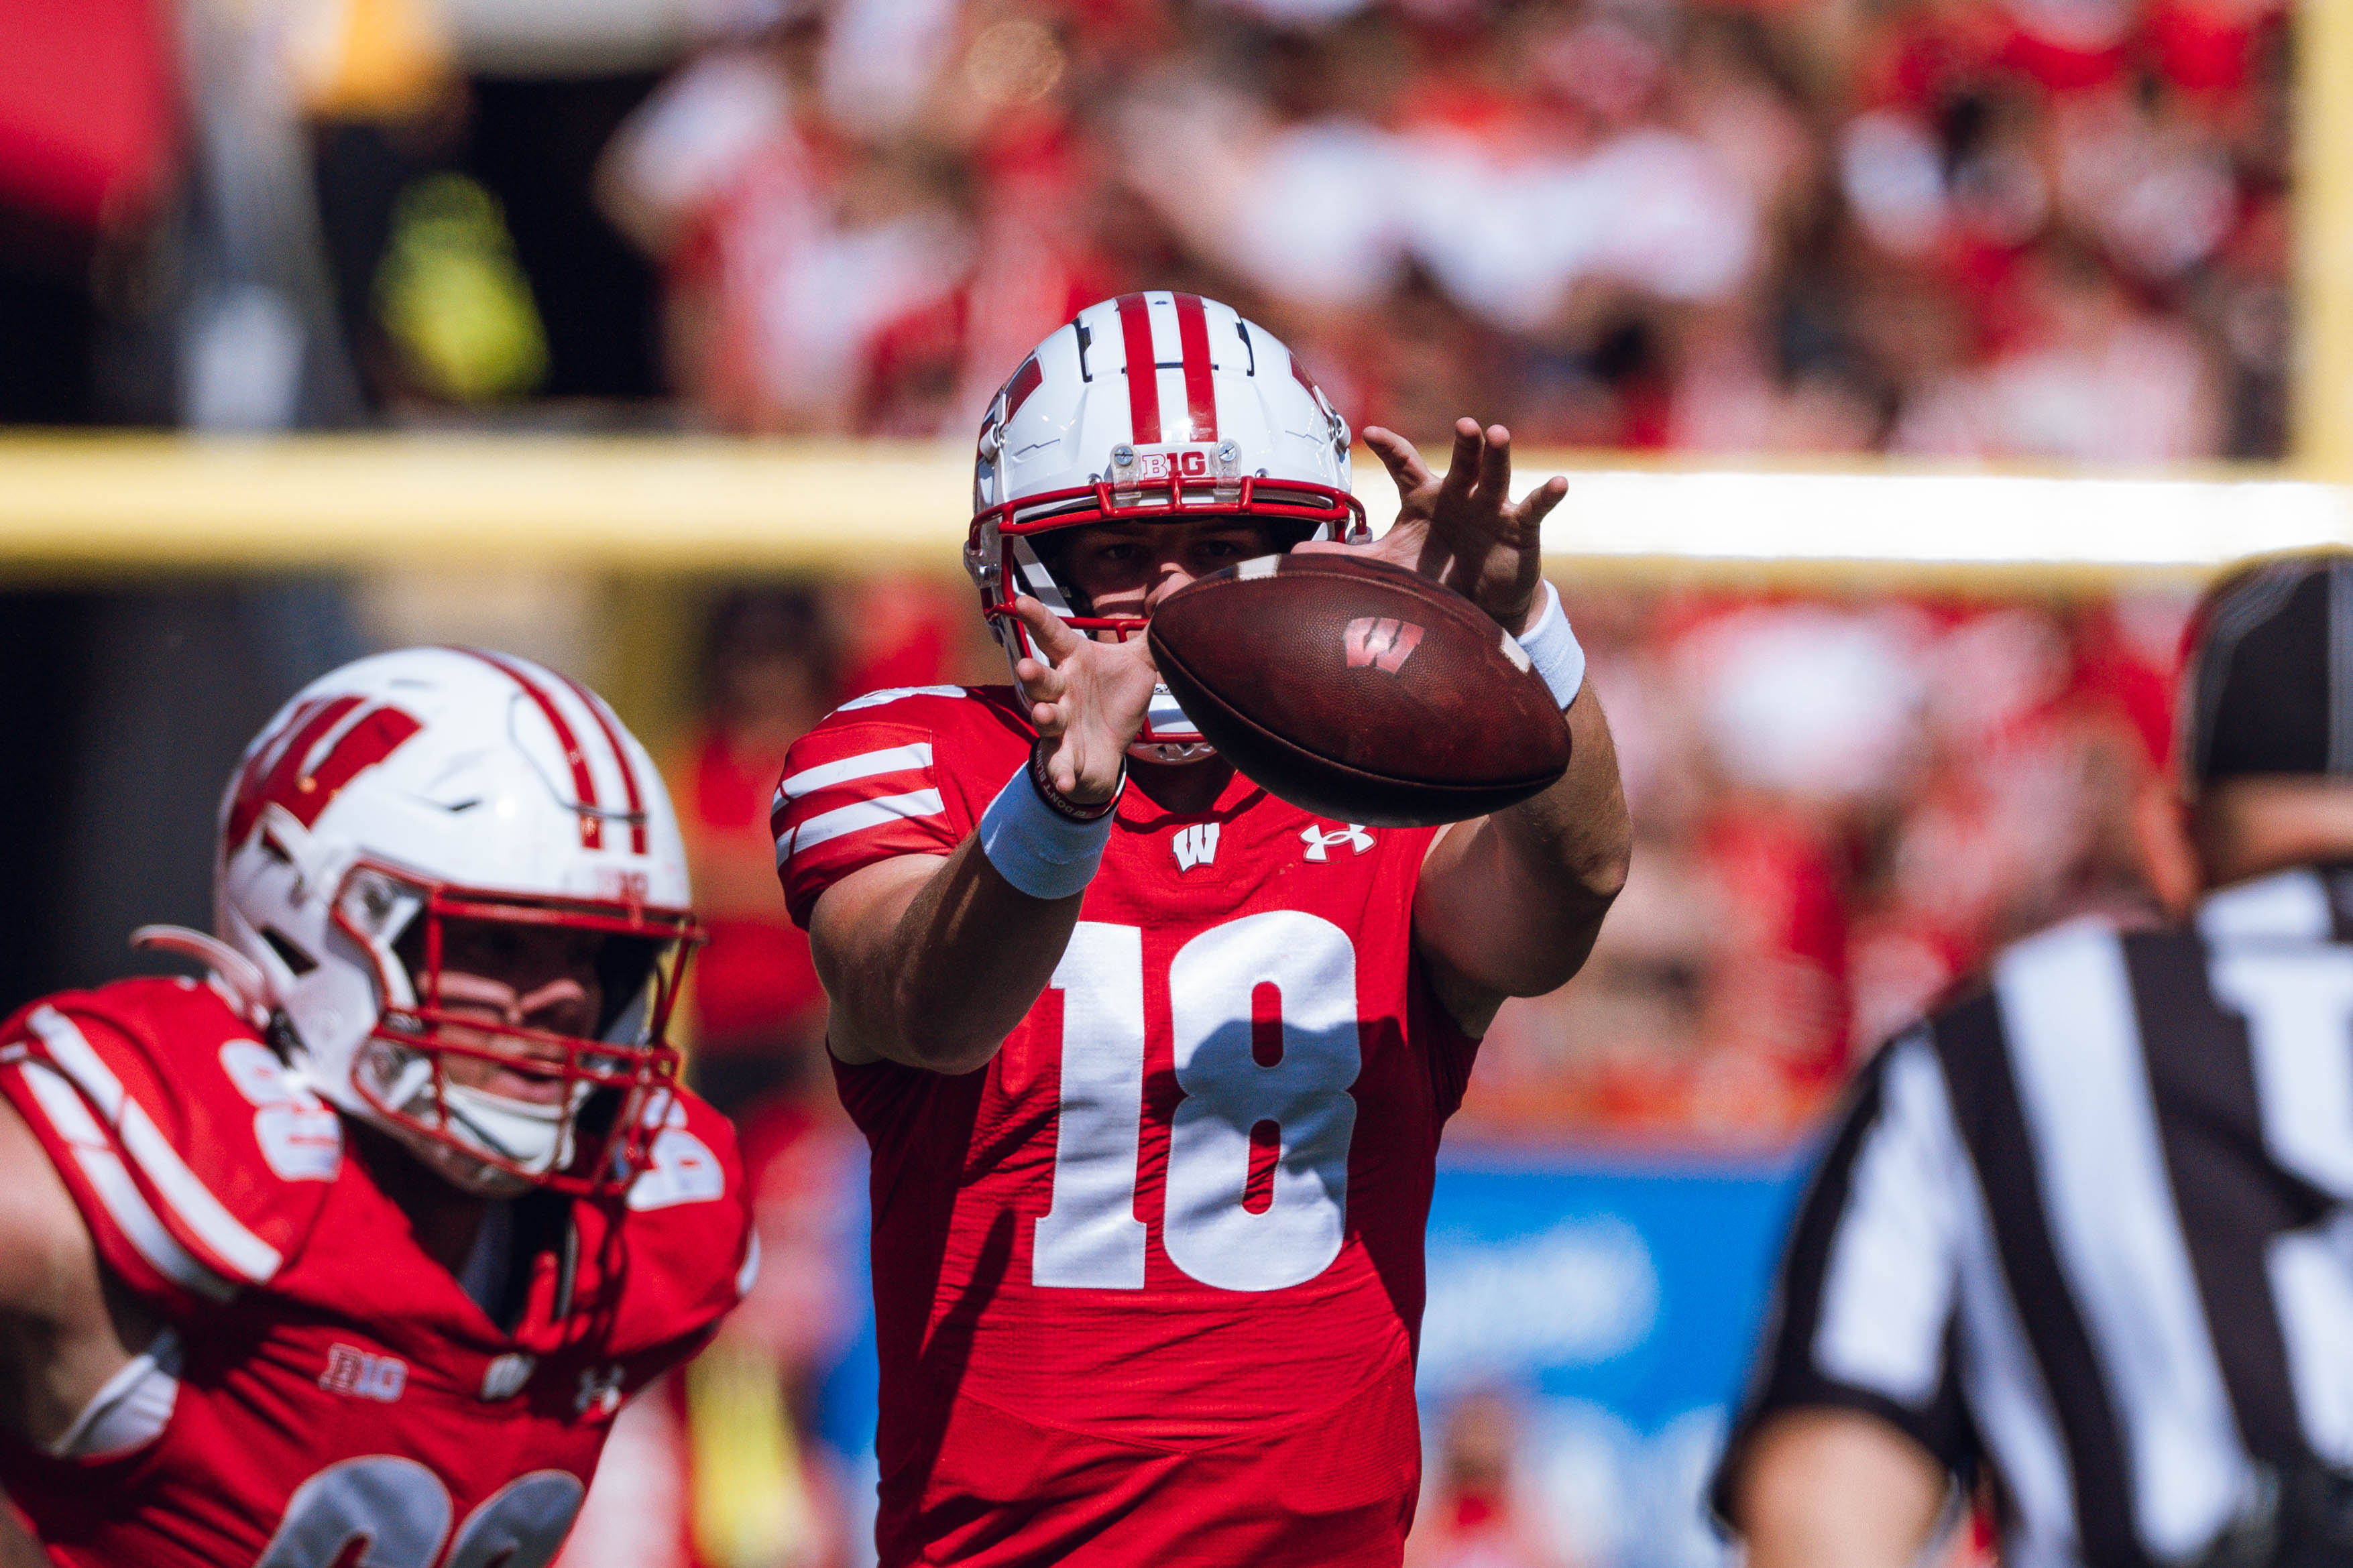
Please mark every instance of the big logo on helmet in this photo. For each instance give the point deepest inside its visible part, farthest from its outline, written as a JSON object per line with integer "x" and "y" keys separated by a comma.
{"x": 1382, "y": 641}
{"x": 304, "y": 765}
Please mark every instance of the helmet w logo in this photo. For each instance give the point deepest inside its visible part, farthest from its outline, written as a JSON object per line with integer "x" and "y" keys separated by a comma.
{"x": 322, "y": 746}
{"x": 1382, "y": 641}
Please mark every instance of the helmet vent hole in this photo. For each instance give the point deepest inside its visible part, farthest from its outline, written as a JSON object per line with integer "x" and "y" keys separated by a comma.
{"x": 292, "y": 957}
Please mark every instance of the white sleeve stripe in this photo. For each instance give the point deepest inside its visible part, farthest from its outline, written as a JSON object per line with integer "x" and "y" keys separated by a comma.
{"x": 892, "y": 694}
{"x": 217, "y": 1228}
{"x": 63, "y": 1105}
{"x": 865, "y": 813}
{"x": 866, "y": 764}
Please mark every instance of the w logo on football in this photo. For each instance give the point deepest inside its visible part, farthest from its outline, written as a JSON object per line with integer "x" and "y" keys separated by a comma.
{"x": 1382, "y": 641}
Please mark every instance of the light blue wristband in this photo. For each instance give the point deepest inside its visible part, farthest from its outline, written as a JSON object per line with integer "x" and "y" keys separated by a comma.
{"x": 1554, "y": 651}
{"x": 1035, "y": 848}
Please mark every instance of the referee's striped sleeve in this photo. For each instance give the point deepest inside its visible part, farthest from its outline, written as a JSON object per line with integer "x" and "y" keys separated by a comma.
{"x": 1864, "y": 1311}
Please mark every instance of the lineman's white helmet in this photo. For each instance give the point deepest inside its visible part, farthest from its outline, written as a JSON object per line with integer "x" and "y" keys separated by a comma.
{"x": 433, "y": 784}
{"x": 1216, "y": 419}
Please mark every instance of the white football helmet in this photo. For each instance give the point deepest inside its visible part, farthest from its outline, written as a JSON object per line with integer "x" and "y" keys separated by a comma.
{"x": 412, "y": 789}
{"x": 1148, "y": 407}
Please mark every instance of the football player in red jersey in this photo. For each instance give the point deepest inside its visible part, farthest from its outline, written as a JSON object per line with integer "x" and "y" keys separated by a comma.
{"x": 348, "y": 1255}
{"x": 1154, "y": 1065}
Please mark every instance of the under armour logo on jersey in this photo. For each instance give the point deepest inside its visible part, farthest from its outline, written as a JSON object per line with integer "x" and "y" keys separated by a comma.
{"x": 1382, "y": 641}
{"x": 1319, "y": 842}
{"x": 600, "y": 1391}
{"x": 353, "y": 1370}
{"x": 1197, "y": 845}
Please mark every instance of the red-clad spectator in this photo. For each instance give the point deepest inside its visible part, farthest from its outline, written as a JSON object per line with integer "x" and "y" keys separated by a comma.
{"x": 770, "y": 671}
{"x": 1472, "y": 1516}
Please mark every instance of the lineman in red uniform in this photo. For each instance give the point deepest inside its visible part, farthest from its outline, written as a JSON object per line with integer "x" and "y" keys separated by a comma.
{"x": 348, "y": 1255}
{"x": 1155, "y": 1074}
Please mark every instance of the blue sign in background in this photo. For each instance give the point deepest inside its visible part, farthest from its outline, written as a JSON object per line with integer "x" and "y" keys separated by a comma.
{"x": 1617, "y": 1298}
{"x": 1619, "y": 1301}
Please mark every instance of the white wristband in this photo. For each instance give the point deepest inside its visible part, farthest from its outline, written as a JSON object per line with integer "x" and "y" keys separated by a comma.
{"x": 1553, "y": 648}
{"x": 1035, "y": 848}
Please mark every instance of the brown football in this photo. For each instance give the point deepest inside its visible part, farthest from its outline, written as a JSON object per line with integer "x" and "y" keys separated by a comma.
{"x": 1358, "y": 690}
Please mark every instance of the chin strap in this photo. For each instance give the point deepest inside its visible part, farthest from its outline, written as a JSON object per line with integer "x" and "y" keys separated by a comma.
{"x": 237, "y": 978}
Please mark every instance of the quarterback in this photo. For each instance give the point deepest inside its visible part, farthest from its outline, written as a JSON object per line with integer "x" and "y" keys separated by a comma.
{"x": 348, "y": 1254}
{"x": 1153, "y": 1065}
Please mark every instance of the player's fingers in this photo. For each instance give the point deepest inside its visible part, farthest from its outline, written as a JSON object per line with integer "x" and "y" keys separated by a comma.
{"x": 1041, "y": 683}
{"x": 1399, "y": 457}
{"x": 1540, "y": 501}
{"x": 1463, "y": 468}
{"x": 1046, "y": 628}
{"x": 1495, "y": 463}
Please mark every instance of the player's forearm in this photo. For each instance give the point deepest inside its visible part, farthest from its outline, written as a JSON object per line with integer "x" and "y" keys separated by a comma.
{"x": 938, "y": 976}
{"x": 1515, "y": 905}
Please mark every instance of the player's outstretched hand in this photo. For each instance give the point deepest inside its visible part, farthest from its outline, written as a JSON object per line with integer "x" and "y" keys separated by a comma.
{"x": 1464, "y": 529}
{"x": 1087, "y": 706}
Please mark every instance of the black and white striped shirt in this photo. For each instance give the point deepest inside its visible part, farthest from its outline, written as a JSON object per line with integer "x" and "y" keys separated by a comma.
{"x": 2091, "y": 1227}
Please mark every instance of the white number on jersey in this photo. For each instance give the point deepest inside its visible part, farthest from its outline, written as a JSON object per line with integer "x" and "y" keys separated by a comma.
{"x": 1300, "y": 1103}
{"x": 397, "y": 1513}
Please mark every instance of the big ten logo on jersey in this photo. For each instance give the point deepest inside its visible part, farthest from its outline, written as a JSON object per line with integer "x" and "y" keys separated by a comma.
{"x": 363, "y": 1375}
{"x": 382, "y": 1510}
{"x": 681, "y": 1167}
{"x": 1197, "y": 845}
{"x": 1257, "y": 1182}
{"x": 301, "y": 1138}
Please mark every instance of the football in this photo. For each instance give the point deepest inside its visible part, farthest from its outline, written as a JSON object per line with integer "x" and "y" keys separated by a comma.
{"x": 1359, "y": 690}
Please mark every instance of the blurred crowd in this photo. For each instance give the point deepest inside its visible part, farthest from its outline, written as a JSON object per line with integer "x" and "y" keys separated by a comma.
{"x": 1842, "y": 808}
{"x": 1954, "y": 227}
{"x": 1949, "y": 227}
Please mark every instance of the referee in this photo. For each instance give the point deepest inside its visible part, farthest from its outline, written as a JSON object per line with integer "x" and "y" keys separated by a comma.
{"x": 2089, "y": 1233}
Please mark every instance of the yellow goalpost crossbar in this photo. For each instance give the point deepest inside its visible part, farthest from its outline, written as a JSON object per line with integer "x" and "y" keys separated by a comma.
{"x": 87, "y": 504}
{"x": 90, "y": 503}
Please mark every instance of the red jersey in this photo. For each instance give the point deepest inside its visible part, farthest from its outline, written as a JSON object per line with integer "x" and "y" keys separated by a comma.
{"x": 1148, "y": 1286}
{"x": 323, "y": 1392}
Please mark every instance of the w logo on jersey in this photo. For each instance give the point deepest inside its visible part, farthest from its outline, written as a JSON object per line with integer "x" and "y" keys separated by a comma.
{"x": 305, "y": 762}
{"x": 1382, "y": 641}
{"x": 1197, "y": 845}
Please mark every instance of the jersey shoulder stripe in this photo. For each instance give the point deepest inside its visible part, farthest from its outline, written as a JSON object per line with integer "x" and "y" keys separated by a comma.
{"x": 905, "y": 772}
{"x": 900, "y": 694}
{"x": 827, "y": 825}
{"x": 186, "y": 1197}
{"x": 199, "y": 1163}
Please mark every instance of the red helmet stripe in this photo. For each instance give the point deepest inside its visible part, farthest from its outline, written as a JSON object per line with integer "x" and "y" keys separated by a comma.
{"x": 1143, "y": 371}
{"x": 621, "y": 759}
{"x": 1026, "y": 380}
{"x": 592, "y": 828}
{"x": 1200, "y": 387}
{"x": 277, "y": 773}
